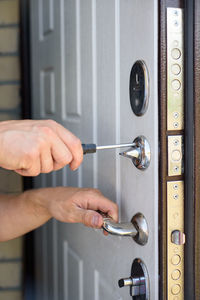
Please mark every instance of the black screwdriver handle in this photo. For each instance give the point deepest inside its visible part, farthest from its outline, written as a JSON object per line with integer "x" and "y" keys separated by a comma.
{"x": 89, "y": 148}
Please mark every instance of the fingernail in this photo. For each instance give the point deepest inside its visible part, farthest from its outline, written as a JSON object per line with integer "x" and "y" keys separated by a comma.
{"x": 95, "y": 220}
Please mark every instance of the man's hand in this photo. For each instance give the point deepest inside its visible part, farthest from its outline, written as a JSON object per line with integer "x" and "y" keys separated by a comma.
{"x": 22, "y": 213}
{"x": 76, "y": 205}
{"x": 32, "y": 147}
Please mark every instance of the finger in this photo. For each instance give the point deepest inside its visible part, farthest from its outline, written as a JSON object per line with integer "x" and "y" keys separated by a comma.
{"x": 47, "y": 164}
{"x": 60, "y": 153}
{"x": 96, "y": 201}
{"x": 34, "y": 170}
{"x": 105, "y": 233}
{"x": 89, "y": 218}
{"x": 72, "y": 143}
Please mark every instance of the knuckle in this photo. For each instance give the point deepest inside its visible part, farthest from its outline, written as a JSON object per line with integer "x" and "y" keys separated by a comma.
{"x": 76, "y": 143}
{"x": 67, "y": 159}
{"x": 96, "y": 192}
{"x": 88, "y": 191}
{"x": 39, "y": 143}
{"x": 64, "y": 160}
{"x": 31, "y": 155}
{"x": 47, "y": 169}
{"x": 34, "y": 173}
{"x": 51, "y": 122}
{"x": 47, "y": 131}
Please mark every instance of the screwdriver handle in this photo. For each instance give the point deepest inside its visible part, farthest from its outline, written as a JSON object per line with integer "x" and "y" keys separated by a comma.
{"x": 89, "y": 148}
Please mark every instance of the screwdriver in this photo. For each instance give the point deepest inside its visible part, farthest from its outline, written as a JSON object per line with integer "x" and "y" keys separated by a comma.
{"x": 92, "y": 148}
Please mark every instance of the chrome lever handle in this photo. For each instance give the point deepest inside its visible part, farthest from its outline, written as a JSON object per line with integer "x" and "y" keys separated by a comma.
{"x": 137, "y": 228}
{"x": 122, "y": 229}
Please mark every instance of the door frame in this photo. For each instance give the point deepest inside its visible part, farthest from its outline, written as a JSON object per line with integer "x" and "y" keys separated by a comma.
{"x": 192, "y": 145}
{"x": 163, "y": 167}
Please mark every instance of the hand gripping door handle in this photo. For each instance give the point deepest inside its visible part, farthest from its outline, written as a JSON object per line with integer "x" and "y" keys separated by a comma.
{"x": 137, "y": 228}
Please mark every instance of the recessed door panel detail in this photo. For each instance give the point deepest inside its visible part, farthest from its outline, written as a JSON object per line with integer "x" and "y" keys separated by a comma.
{"x": 175, "y": 69}
{"x": 73, "y": 270}
{"x": 47, "y": 91}
{"x": 102, "y": 289}
{"x": 46, "y": 18}
{"x": 72, "y": 106}
{"x": 176, "y": 239}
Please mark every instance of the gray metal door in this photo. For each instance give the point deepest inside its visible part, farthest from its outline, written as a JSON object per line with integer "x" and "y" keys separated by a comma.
{"x": 82, "y": 55}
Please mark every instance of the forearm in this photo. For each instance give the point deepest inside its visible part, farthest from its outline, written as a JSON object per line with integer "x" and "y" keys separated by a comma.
{"x": 20, "y": 214}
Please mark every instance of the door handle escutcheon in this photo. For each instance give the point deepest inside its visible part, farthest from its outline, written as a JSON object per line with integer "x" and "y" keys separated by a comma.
{"x": 139, "y": 153}
{"x": 137, "y": 228}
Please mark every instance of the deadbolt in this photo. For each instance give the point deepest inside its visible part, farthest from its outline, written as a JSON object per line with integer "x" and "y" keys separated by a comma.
{"x": 138, "y": 282}
{"x": 139, "y": 88}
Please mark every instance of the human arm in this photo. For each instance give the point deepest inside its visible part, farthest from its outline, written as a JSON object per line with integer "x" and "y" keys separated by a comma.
{"x": 22, "y": 213}
{"x": 31, "y": 147}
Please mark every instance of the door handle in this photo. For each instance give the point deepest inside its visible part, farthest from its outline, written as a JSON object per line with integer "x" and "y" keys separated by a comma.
{"x": 137, "y": 228}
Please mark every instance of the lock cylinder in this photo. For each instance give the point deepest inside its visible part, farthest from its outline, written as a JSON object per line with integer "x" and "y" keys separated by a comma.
{"x": 138, "y": 281}
{"x": 139, "y": 88}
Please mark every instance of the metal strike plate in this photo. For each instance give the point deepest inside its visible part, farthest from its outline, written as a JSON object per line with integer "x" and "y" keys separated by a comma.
{"x": 175, "y": 155}
{"x": 175, "y": 258}
{"x": 175, "y": 69}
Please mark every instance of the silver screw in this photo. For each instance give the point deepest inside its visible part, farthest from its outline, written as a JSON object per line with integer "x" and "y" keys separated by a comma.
{"x": 176, "y": 23}
{"x": 176, "y": 168}
{"x": 176, "y": 115}
{"x": 176, "y": 12}
{"x": 175, "y": 186}
{"x": 176, "y": 196}
{"x": 176, "y": 142}
{"x": 175, "y": 124}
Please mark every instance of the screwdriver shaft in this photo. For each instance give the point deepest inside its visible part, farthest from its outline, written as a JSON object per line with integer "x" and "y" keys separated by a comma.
{"x": 115, "y": 146}
{"x": 92, "y": 148}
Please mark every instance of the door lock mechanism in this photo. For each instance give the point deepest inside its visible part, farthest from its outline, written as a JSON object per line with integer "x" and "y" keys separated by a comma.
{"x": 139, "y": 88}
{"x": 138, "y": 282}
{"x": 140, "y": 153}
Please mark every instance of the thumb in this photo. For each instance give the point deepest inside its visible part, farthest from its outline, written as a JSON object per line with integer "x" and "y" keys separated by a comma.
{"x": 91, "y": 218}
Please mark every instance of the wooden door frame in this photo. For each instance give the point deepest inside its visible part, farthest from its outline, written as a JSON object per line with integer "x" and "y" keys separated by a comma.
{"x": 163, "y": 178}
{"x": 189, "y": 152}
{"x": 192, "y": 154}
{"x": 196, "y": 110}
{"x": 191, "y": 142}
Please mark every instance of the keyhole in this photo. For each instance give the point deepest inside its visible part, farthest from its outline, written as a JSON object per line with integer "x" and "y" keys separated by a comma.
{"x": 139, "y": 88}
{"x": 137, "y": 79}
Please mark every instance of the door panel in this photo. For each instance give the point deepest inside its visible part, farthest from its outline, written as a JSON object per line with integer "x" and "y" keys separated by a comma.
{"x": 82, "y": 55}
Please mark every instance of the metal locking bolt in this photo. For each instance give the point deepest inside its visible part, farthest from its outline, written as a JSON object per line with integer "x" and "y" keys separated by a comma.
{"x": 137, "y": 285}
{"x": 138, "y": 281}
